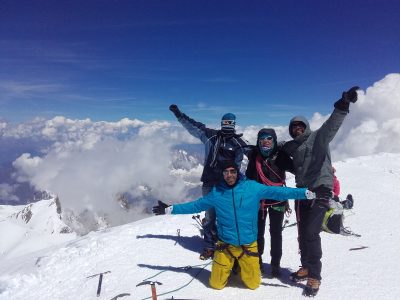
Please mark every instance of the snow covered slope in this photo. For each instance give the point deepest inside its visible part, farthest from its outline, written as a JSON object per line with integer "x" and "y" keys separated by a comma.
{"x": 157, "y": 248}
{"x": 36, "y": 226}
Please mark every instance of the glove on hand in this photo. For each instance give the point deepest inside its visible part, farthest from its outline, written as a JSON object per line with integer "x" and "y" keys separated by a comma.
{"x": 160, "y": 208}
{"x": 347, "y": 97}
{"x": 310, "y": 195}
{"x": 174, "y": 108}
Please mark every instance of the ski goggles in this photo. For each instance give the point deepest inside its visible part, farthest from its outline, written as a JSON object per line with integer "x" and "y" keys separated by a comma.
{"x": 229, "y": 171}
{"x": 266, "y": 138}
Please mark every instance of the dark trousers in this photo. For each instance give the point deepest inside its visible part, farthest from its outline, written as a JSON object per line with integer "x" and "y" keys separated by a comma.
{"x": 275, "y": 230}
{"x": 310, "y": 215}
{"x": 209, "y": 227}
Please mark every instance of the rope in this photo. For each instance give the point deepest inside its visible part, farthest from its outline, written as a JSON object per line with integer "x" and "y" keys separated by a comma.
{"x": 264, "y": 178}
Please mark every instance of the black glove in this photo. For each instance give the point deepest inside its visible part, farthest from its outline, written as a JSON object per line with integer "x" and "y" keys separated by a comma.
{"x": 160, "y": 208}
{"x": 174, "y": 108}
{"x": 347, "y": 97}
{"x": 322, "y": 193}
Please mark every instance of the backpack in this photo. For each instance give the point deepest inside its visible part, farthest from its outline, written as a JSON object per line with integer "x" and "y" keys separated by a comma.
{"x": 333, "y": 219}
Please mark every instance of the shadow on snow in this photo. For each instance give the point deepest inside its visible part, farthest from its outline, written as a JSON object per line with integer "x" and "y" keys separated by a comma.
{"x": 192, "y": 243}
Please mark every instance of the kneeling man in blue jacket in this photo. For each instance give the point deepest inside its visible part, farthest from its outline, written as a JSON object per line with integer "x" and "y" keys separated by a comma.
{"x": 236, "y": 200}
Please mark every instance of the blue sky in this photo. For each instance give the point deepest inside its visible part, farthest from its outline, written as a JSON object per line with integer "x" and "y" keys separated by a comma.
{"x": 263, "y": 60}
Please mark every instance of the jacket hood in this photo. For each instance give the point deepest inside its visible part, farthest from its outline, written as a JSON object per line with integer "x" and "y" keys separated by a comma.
{"x": 266, "y": 131}
{"x": 302, "y": 119}
{"x": 271, "y": 132}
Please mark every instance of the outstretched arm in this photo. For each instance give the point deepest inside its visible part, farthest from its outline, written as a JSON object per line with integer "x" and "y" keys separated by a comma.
{"x": 192, "y": 207}
{"x": 281, "y": 193}
{"x": 197, "y": 129}
{"x": 328, "y": 131}
{"x": 331, "y": 126}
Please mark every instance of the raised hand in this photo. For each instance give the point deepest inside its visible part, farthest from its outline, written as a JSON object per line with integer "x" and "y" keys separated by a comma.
{"x": 347, "y": 97}
{"x": 174, "y": 108}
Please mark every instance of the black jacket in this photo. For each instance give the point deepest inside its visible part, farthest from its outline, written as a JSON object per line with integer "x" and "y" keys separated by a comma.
{"x": 273, "y": 167}
{"x": 219, "y": 147}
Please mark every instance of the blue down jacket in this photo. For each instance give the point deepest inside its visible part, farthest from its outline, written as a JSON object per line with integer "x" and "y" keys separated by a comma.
{"x": 237, "y": 207}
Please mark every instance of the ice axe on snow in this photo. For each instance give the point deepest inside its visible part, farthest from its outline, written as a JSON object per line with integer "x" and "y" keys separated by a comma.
{"x": 100, "y": 280}
{"x": 153, "y": 287}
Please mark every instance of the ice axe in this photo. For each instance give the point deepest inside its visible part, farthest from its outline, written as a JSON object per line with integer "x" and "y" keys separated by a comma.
{"x": 100, "y": 280}
{"x": 153, "y": 287}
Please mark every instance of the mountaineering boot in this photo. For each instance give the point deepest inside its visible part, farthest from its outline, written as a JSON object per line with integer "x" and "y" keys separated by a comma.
{"x": 275, "y": 271}
{"x": 207, "y": 253}
{"x": 312, "y": 287}
{"x": 349, "y": 202}
{"x": 300, "y": 275}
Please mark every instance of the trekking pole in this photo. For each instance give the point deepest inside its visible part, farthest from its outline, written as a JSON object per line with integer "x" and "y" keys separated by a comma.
{"x": 197, "y": 219}
{"x": 153, "y": 288}
{"x": 285, "y": 223}
{"x": 100, "y": 281}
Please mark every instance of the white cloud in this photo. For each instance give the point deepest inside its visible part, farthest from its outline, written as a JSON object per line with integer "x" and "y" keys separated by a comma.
{"x": 3, "y": 126}
{"x": 88, "y": 163}
{"x": 7, "y": 192}
{"x": 372, "y": 125}
{"x": 91, "y": 178}
{"x": 250, "y": 132}
{"x": 29, "y": 164}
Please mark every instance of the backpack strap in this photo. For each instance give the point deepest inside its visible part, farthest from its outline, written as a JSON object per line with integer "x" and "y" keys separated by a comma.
{"x": 325, "y": 221}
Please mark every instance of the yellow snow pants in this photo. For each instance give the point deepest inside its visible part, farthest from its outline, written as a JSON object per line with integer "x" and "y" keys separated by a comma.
{"x": 223, "y": 263}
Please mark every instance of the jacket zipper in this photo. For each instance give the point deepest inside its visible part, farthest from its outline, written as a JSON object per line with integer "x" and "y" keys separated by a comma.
{"x": 236, "y": 221}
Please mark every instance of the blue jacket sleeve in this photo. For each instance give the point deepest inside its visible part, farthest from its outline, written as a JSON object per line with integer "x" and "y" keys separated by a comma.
{"x": 196, "y": 206}
{"x": 278, "y": 192}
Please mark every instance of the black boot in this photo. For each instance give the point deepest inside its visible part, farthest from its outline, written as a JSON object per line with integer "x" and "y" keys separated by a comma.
{"x": 275, "y": 271}
{"x": 207, "y": 253}
{"x": 312, "y": 287}
{"x": 348, "y": 203}
{"x": 300, "y": 275}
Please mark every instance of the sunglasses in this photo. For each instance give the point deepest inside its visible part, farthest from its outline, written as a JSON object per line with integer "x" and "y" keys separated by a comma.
{"x": 298, "y": 124}
{"x": 230, "y": 171}
{"x": 227, "y": 122}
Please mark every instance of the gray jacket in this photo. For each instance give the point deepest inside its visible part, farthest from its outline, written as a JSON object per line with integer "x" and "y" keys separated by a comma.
{"x": 311, "y": 154}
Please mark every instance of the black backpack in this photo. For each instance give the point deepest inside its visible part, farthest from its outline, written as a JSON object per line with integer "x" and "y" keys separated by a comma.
{"x": 334, "y": 217}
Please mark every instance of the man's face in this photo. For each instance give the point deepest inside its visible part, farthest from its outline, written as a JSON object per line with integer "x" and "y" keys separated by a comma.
{"x": 298, "y": 128}
{"x": 230, "y": 175}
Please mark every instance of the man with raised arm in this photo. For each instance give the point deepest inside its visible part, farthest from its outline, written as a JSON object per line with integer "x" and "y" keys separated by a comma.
{"x": 219, "y": 145}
